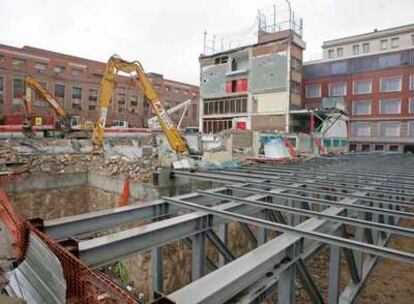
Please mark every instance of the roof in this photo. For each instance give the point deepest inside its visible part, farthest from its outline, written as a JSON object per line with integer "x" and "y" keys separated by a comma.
{"x": 371, "y": 35}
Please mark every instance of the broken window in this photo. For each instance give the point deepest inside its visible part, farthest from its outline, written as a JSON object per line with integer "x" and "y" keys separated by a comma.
{"x": 296, "y": 64}
{"x": 221, "y": 59}
{"x": 234, "y": 64}
{"x": 295, "y": 87}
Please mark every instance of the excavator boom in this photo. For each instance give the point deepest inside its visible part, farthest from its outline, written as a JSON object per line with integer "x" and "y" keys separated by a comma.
{"x": 116, "y": 64}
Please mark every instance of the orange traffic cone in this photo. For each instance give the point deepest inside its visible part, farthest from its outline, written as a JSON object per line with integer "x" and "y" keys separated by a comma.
{"x": 124, "y": 198}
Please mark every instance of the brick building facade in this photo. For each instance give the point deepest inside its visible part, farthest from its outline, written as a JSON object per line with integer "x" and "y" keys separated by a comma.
{"x": 374, "y": 74}
{"x": 75, "y": 83}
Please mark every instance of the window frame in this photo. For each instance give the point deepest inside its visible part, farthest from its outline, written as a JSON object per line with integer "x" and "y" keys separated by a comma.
{"x": 394, "y": 46}
{"x": 331, "y": 53}
{"x": 355, "y": 49}
{"x": 365, "y": 48}
{"x": 357, "y": 93}
{"x": 334, "y": 83}
{"x": 354, "y": 124}
{"x": 384, "y": 44}
{"x": 391, "y": 77}
{"x": 381, "y": 101}
{"x": 383, "y": 123}
{"x": 75, "y": 87}
{"x": 411, "y": 105}
{"x": 313, "y": 85}
{"x": 359, "y": 102}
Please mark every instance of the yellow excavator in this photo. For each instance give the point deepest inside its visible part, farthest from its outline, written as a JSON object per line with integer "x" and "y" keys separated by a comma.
{"x": 114, "y": 65}
{"x": 67, "y": 123}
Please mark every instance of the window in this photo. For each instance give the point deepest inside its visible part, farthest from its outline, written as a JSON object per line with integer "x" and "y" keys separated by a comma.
{"x": 411, "y": 129}
{"x": 394, "y": 148}
{"x": 59, "y": 90}
{"x": 313, "y": 91}
{"x": 76, "y": 93}
{"x": 176, "y": 90}
{"x": 390, "y": 129}
{"x": 194, "y": 93}
{"x": 395, "y": 43}
{"x": 355, "y": 49}
{"x": 91, "y": 107}
{"x": 18, "y": 63}
{"x": 77, "y": 72}
{"x": 391, "y": 84}
{"x": 361, "y": 108}
{"x": 40, "y": 66}
{"x": 93, "y": 94}
{"x": 390, "y": 106}
{"x": 384, "y": 44}
{"x": 412, "y": 39}
{"x": 365, "y": 148}
{"x": 167, "y": 89}
{"x": 59, "y": 69}
{"x": 363, "y": 86}
{"x": 1, "y": 90}
{"x": 365, "y": 47}
{"x": 296, "y": 64}
{"x": 412, "y": 82}
{"x": 339, "y": 52}
{"x": 361, "y": 129}
{"x": 18, "y": 88}
{"x": 134, "y": 100}
{"x": 295, "y": 87}
{"x": 121, "y": 98}
{"x": 389, "y": 60}
{"x": 331, "y": 54}
{"x": 2, "y": 58}
{"x": 411, "y": 105}
{"x": 77, "y": 106}
{"x": 38, "y": 102}
{"x": 222, "y": 59}
{"x": 379, "y": 148}
{"x": 337, "y": 89}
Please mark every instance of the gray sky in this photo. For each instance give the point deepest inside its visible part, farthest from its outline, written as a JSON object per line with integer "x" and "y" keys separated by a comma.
{"x": 167, "y": 36}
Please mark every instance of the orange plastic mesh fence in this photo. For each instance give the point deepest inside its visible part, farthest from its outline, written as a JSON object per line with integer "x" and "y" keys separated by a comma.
{"x": 83, "y": 284}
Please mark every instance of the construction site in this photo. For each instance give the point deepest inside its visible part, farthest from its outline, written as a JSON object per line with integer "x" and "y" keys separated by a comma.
{"x": 258, "y": 186}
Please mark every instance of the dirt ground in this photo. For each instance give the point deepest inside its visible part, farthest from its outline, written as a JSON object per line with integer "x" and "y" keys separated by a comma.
{"x": 391, "y": 281}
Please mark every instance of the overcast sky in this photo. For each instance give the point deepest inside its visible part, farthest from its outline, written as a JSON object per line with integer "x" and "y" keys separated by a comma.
{"x": 167, "y": 36}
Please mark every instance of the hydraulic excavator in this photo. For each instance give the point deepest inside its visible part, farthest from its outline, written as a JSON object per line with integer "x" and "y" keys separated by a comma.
{"x": 67, "y": 123}
{"x": 114, "y": 65}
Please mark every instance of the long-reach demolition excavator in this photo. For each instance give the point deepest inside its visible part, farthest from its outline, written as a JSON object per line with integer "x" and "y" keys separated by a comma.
{"x": 114, "y": 65}
{"x": 67, "y": 123}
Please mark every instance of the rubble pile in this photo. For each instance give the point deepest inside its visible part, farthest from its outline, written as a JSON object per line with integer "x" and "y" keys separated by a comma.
{"x": 25, "y": 157}
{"x": 139, "y": 169}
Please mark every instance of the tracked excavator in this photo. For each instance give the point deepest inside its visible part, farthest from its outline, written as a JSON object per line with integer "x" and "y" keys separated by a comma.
{"x": 67, "y": 124}
{"x": 115, "y": 65}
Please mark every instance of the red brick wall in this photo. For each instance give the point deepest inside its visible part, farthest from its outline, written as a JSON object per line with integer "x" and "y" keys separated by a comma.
{"x": 89, "y": 79}
{"x": 376, "y": 95}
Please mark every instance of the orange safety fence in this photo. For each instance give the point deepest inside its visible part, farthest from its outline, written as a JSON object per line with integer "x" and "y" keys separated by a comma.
{"x": 84, "y": 285}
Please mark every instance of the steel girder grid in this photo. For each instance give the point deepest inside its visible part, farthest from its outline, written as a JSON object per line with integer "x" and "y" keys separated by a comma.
{"x": 310, "y": 204}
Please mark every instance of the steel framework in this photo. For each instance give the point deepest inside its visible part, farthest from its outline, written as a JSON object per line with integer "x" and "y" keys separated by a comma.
{"x": 350, "y": 204}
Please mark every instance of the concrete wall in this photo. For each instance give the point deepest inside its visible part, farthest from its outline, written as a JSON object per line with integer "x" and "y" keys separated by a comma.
{"x": 272, "y": 102}
{"x": 213, "y": 80}
{"x": 268, "y": 72}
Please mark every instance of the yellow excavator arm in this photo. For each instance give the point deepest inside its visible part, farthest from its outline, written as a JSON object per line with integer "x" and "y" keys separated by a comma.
{"x": 33, "y": 85}
{"x": 114, "y": 65}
